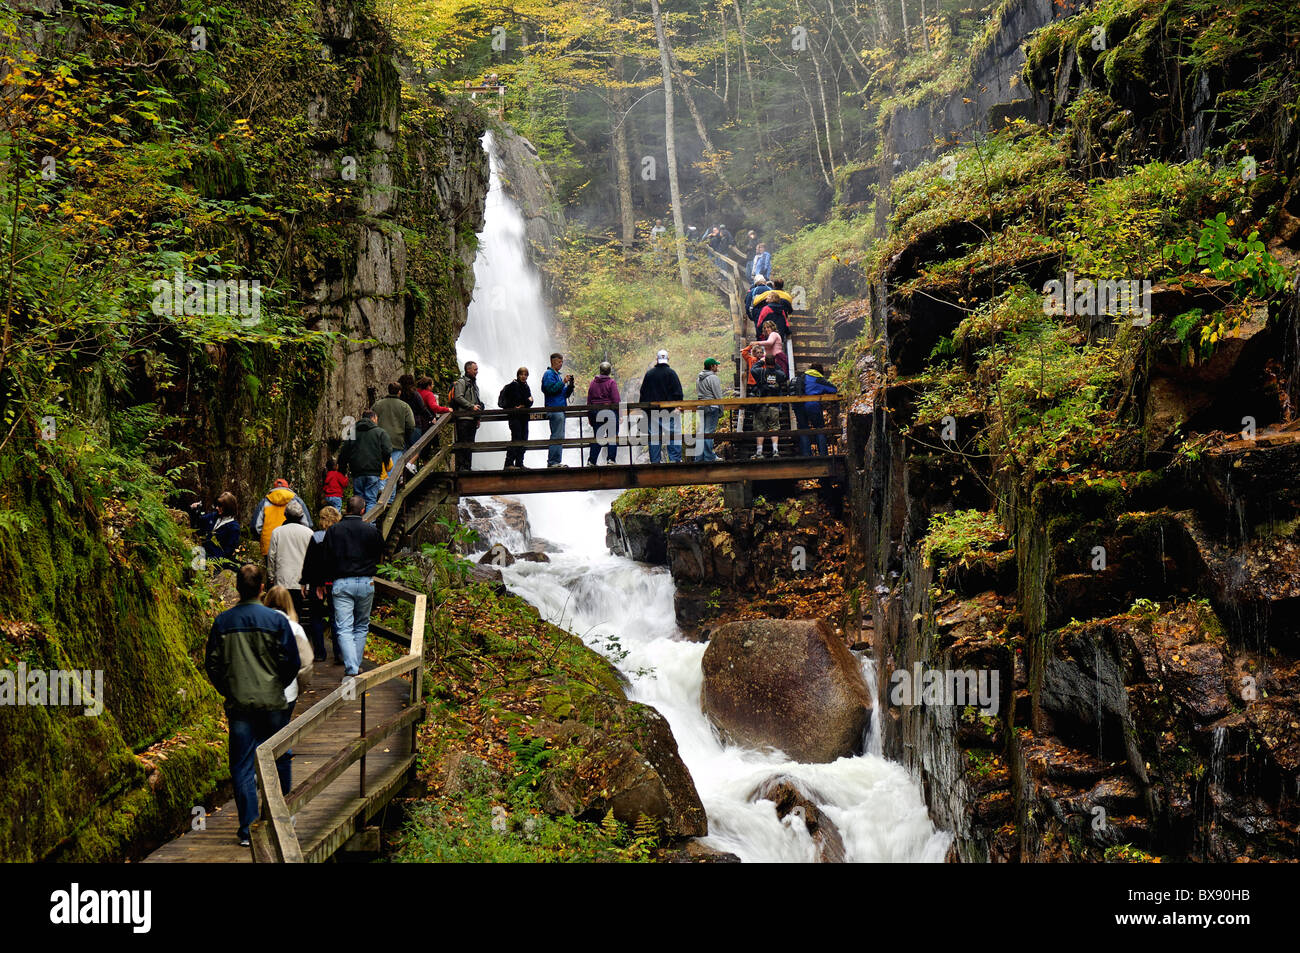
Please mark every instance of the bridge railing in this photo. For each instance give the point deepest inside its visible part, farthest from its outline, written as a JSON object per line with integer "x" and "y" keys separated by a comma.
{"x": 429, "y": 454}
{"x": 636, "y": 423}
{"x": 274, "y": 836}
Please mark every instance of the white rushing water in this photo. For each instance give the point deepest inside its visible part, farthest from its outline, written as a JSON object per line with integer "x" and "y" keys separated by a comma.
{"x": 625, "y": 610}
{"x": 508, "y": 326}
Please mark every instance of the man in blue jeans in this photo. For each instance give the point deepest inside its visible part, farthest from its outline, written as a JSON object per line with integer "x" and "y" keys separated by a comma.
{"x": 709, "y": 387}
{"x": 251, "y": 657}
{"x": 364, "y": 454}
{"x": 557, "y": 391}
{"x": 353, "y": 548}
{"x": 661, "y": 383}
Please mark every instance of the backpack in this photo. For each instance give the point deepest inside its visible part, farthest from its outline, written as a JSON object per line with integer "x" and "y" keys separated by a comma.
{"x": 423, "y": 416}
{"x": 779, "y": 314}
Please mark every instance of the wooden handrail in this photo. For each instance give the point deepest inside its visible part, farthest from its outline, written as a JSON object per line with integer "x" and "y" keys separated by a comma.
{"x": 626, "y": 440}
{"x": 410, "y": 455}
{"x": 275, "y": 838}
{"x": 575, "y": 410}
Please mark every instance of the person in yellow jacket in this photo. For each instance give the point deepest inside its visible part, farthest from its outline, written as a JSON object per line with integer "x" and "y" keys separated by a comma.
{"x": 271, "y": 513}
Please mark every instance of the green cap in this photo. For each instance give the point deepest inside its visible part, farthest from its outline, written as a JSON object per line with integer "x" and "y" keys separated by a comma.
{"x": 710, "y": 362}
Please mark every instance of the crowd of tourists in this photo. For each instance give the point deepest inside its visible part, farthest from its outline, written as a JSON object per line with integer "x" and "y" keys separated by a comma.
{"x": 314, "y": 577}
{"x": 310, "y": 579}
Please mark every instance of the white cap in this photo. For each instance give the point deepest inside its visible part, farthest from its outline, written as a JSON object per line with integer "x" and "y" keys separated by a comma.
{"x": 661, "y": 357}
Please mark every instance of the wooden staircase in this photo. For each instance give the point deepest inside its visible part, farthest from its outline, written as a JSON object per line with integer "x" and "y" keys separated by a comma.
{"x": 812, "y": 342}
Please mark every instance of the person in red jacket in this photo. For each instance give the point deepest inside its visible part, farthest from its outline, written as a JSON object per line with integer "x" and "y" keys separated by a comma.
{"x": 334, "y": 485}
{"x": 430, "y": 398}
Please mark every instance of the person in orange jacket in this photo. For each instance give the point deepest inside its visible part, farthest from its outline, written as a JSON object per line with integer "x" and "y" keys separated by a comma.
{"x": 271, "y": 513}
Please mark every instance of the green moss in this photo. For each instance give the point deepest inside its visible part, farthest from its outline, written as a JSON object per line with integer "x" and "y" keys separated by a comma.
{"x": 77, "y": 786}
{"x": 961, "y": 535}
{"x": 462, "y": 832}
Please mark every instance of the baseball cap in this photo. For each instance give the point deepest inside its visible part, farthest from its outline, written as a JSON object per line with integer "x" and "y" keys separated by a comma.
{"x": 661, "y": 357}
{"x": 280, "y": 483}
{"x": 710, "y": 362}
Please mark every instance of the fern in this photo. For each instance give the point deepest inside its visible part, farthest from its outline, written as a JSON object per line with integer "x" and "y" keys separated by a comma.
{"x": 13, "y": 521}
{"x": 532, "y": 756}
{"x": 611, "y": 828}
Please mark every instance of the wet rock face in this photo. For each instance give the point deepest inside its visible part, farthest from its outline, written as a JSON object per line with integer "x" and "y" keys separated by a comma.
{"x": 1215, "y": 393}
{"x": 793, "y": 801}
{"x": 507, "y": 514}
{"x": 787, "y": 684}
{"x": 696, "y": 853}
{"x": 1255, "y": 585}
{"x": 1253, "y": 484}
{"x": 393, "y": 306}
{"x": 497, "y": 555}
{"x": 524, "y": 177}
{"x": 771, "y": 561}
{"x": 639, "y": 536}
{"x": 633, "y": 770}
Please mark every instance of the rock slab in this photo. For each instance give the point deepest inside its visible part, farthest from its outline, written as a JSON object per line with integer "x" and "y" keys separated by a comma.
{"x": 787, "y": 684}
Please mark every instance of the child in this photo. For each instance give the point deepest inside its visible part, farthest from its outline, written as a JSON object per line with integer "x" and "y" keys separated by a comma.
{"x": 335, "y": 484}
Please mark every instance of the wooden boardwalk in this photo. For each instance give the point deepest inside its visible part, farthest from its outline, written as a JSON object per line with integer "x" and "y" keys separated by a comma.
{"x": 340, "y": 809}
{"x": 353, "y": 748}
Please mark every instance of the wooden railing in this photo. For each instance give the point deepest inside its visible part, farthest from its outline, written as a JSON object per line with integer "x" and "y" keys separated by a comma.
{"x": 429, "y": 453}
{"x": 274, "y": 836}
{"x": 626, "y": 438}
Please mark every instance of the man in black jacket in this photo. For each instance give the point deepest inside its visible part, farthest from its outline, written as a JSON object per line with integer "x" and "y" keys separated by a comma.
{"x": 364, "y": 456}
{"x": 769, "y": 381}
{"x": 353, "y": 548}
{"x": 517, "y": 395}
{"x": 661, "y": 383}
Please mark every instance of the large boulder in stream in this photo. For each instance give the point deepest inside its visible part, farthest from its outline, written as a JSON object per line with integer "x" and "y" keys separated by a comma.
{"x": 622, "y": 759}
{"x": 786, "y": 683}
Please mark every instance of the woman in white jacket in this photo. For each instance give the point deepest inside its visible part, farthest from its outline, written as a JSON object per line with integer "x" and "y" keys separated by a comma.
{"x": 277, "y": 598}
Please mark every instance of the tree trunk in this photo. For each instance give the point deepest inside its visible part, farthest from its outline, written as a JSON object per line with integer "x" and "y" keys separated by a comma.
{"x": 882, "y": 20}
{"x": 821, "y": 93}
{"x": 907, "y": 42}
{"x": 622, "y": 161}
{"x": 925, "y": 32}
{"x": 726, "y": 62}
{"x": 749, "y": 78}
{"x": 670, "y": 144}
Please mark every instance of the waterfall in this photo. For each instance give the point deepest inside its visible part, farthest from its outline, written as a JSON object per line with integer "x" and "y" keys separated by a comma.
{"x": 508, "y": 325}
{"x": 624, "y": 610}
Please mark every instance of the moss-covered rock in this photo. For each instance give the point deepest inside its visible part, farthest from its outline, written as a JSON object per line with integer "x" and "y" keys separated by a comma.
{"x": 75, "y": 596}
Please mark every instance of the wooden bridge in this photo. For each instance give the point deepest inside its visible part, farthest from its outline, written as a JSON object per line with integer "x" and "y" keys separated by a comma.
{"x": 412, "y": 498}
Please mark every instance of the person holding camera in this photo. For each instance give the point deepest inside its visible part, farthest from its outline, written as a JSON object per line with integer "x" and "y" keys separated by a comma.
{"x": 557, "y": 391}
{"x": 220, "y": 530}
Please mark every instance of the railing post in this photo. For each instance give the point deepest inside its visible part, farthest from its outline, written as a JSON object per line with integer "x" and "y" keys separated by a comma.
{"x": 363, "y": 734}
